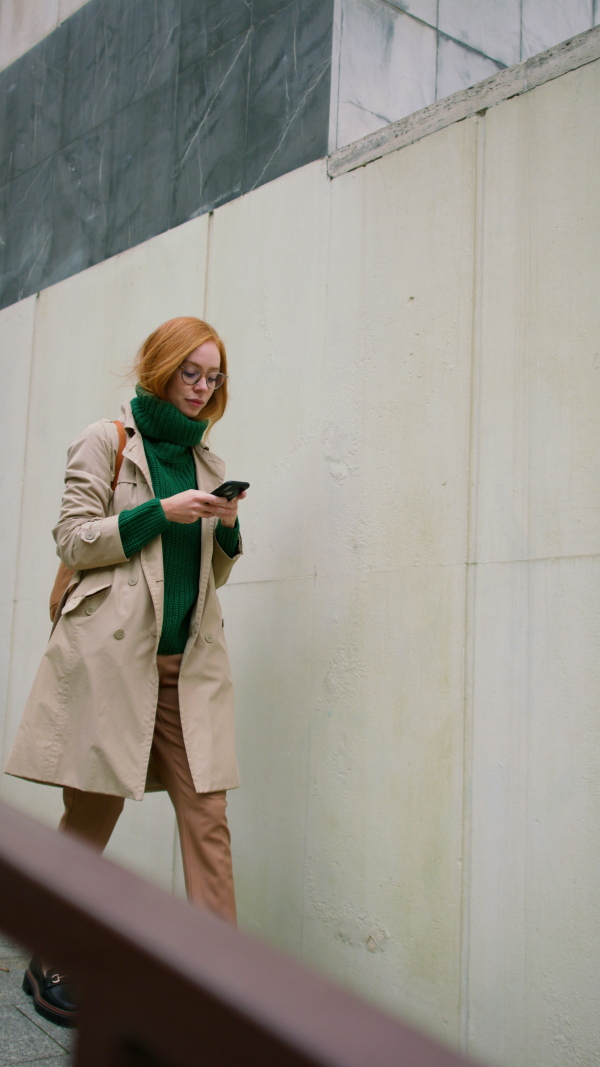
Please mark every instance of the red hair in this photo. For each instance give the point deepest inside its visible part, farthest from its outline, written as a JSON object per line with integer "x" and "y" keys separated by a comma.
{"x": 165, "y": 350}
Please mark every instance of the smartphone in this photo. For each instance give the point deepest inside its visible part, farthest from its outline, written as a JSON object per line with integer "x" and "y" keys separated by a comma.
{"x": 230, "y": 489}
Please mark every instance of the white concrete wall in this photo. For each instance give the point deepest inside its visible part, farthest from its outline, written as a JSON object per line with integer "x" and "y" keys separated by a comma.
{"x": 25, "y": 22}
{"x": 415, "y": 626}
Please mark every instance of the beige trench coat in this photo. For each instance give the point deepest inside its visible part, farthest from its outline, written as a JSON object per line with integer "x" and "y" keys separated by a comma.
{"x": 89, "y": 719}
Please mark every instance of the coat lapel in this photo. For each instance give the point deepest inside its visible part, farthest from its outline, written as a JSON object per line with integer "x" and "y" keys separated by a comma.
{"x": 151, "y": 554}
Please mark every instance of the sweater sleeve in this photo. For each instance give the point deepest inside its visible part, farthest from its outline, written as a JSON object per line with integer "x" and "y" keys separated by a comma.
{"x": 140, "y": 525}
{"x": 228, "y": 537}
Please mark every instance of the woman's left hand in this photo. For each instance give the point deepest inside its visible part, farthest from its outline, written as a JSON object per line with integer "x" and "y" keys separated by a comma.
{"x": 230, "y": 518}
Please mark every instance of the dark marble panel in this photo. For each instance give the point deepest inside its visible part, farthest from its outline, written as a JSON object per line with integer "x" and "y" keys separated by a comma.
{"x": 91, "y": 68}
{"x": 27, "y": 232}
{"x": 263, "y": 9}
{"x": 148, "y": 47}
{"x": 8, "y": 98}
{"x": 79, "y": 221}
{"x": 288, "y": 106}
{"x": 141, "y": 166}
{"x": 4, "y": 193}
{"x": 211, "y": 131}
{"x": 37, "y": 113}
{"x": 103, "y": 144}
{"x": 206, "y": 25}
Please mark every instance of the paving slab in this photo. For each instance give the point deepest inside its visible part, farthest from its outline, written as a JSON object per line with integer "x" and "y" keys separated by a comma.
{"x": 12, "y": 969}
{"x": 9, "y": 948}
{"x": 22, "y": 1041}
{"x": 61, "y": 1034}
{"x": 54, "y": 1061}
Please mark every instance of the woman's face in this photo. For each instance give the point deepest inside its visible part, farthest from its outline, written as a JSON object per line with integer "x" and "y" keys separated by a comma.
{"x": 187, "y": 397}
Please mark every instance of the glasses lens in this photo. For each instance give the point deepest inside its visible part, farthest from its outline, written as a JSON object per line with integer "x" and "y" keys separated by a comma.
{"x": 191, "y": 377}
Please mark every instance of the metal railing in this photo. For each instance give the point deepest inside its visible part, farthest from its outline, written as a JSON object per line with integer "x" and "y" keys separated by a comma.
{"x": 163, "y": 984}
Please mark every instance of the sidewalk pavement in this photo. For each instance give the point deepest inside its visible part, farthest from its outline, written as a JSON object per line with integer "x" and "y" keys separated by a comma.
{"x": 25, "y": 1037}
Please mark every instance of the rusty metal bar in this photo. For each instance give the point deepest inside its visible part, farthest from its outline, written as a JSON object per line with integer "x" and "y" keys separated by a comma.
{"x": 163, "y": 984}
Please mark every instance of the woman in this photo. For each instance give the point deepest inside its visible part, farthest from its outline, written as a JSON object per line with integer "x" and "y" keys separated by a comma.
{"x": 134, "y": 690}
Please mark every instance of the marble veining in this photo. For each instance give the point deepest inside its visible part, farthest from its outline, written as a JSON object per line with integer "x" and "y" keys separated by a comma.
{"x": 133, "y": 116}
{"x": 492, "y": 28}
{"x": 36, "y": 113}
{"x": 91, "y": 84}
{"x": 209, "y": 26}
{"x": 387, "y": 68}
{"x": 148, "y": 47}
{"x": 8, "y": 95}
{"x": 383, "y": 62}
{"x": 459, "y": 67}
{"x": 142, "y": 143}
{"x": 136, "y": 115}
{"x": 82, "y": 192}
{"x": 27, "y": 231}
{"x": 212, "y": 114}
{"x": 546, "y": 22}
{"x": 288, "y": 104}
{"x": 426, "y": 10}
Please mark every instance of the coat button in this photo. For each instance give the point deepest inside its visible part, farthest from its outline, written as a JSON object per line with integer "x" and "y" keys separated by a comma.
{"x": 209, "y": 638}
{"x": 90, "y": 609}
{"x": 119, "y": 634}
{"x": 133, "y": 580}
{"x": 90, "y": 535}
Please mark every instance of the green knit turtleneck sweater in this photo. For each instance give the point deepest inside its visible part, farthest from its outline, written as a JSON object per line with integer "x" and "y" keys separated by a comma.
{"x": 169, "y": 437}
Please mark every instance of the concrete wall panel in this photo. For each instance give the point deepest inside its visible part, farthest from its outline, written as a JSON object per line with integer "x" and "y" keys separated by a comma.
{"x": 269, "y": 631}
{"x": 540, "y": 401}
{"x": 532, "y": 975}
{"x": 384, "y": 834}
{"x": 266, "y": 295}
{"x": 16, "y": 345}
{"x": 394, "y": 464}
{"x": 533, "y": 913}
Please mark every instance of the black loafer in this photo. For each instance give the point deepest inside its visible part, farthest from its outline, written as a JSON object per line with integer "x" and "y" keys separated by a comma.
{"x": 51, "y": 994}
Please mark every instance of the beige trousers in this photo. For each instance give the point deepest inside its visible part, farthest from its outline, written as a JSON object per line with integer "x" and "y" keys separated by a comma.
{"x": 201, "y": 818}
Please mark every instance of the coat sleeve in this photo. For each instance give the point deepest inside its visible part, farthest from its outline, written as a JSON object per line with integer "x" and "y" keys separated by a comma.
{"x": 221, "y": 562}
{"x": 86, "y": 535}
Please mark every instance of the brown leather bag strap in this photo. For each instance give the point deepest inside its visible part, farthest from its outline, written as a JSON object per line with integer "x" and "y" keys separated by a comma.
{"x": 119, "y": 458}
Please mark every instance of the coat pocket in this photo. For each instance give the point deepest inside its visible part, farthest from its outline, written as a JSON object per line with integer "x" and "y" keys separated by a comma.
{"x": 89, "y": 599}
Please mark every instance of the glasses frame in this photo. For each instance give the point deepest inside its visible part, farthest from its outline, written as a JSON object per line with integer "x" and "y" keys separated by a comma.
{"x": 201, "y": 375}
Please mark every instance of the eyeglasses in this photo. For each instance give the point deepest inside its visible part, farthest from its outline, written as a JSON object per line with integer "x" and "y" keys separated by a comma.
{"x": 192, "y": 377}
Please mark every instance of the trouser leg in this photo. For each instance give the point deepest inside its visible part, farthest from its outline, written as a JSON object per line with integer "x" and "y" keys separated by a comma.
{"x": 92, "y": 816}
{"x": 201, "y": 818}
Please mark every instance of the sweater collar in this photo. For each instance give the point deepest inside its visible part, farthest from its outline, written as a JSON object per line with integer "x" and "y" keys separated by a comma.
{"x": 162, "y": 421}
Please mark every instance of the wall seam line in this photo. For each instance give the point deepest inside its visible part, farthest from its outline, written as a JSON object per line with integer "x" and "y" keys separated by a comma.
{"x": 471, "y": 584}
{"x": 209, "y": 233}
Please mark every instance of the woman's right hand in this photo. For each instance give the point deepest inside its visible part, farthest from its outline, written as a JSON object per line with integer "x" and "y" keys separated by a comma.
{"x": 194, "y": 504}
